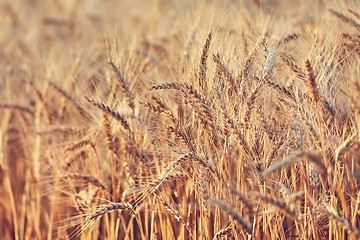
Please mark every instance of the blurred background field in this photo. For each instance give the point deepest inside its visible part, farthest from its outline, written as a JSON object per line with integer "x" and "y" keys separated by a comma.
{"x": 176, "y": 113}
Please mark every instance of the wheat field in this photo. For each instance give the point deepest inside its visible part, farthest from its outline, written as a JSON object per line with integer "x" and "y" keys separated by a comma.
{"x": 155, "y": 119}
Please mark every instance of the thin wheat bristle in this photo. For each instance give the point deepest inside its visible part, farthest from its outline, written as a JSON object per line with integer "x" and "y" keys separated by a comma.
{"x": 223, "y": 71}
{"x": 73, "y": 160}
{"x": 124, "y": 87}
{"x": 237, "y": 217}
{"x": 199, "y": 99}
{"x": 248, "y": 202}
{"x": 342, "y": 221}
{"x": 346, "y": 145}
{"x": 205, "y": 163}
{"x": 84, "y": 178}
{"x": 166, "y": 177}
{"x": 72, "y": 99}
{"x": 238, "y": 134}
{"x": 351, "y": 229}
{"x": 157, "y": 184}
{"x": 281, "y": 89}
{"x": 112, "y": 141}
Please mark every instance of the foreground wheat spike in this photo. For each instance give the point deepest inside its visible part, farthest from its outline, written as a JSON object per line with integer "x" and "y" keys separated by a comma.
{"x": 346, "y": 19}
{"x": 81, "y": 144}
{"x": 268, "y": 66}
{"x": 203, "y": 62}
{"x": 288, "y": 38}
{"x": 352, "y": 38}
{"x": 169, "y": 171}
{"x": 292, "y": 158}
{"x": 251, "y": 102}
{"x": 107, "y": 109}
{"x": 313, "y": 89}
{"x": 107, "y": 208}
{"x": 332, "y": 214}
{"x": 124, "y": 87}
{"x": 174, "y": 212}
{"x": 168, "y": 85}
{"x": 93, "y": 216}
{"x": 224, "y": 232}
{"x": 248, "y": 202}
{"x": 198, "y": 103}
{"x": 241, "y": 138}
{"x": 222, "y": 70}
{"x": 17, "y": 107}
{"x": 237, "y": 217}
{"x": 281, "y": 89}
{"x": 281, "y": 205}
{"x": 183, "y": 136}
{"x": 124, "y": 123}
{"x": 72, "y": 99}
{"x": 157, "y": 184}
{"x": 295, "y": 68}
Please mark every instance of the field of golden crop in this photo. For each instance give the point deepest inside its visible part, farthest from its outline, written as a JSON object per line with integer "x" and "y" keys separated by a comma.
{"x": 179, "y": 119}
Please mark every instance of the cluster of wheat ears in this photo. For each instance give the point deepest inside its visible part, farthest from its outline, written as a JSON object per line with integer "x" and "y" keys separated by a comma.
{"x": 180, "y": 119}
